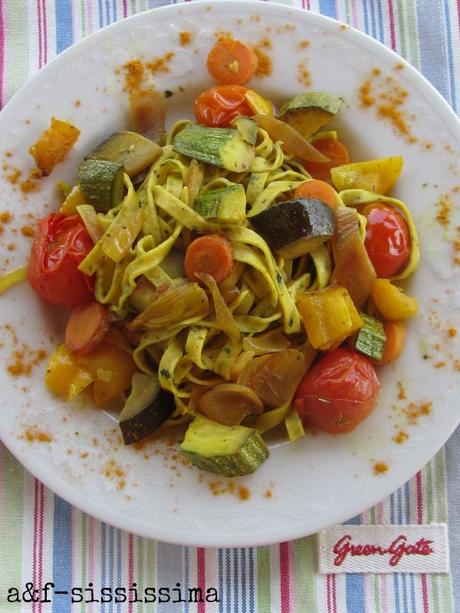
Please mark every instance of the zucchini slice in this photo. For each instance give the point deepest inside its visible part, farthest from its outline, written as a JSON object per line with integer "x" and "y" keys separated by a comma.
{"x": 102, "y": 183}
{"x": 227, "y": 204}
{"x": 133, "y": 151}
{"x": 309, "y": 112}
{"x": 232, "y": 451}
{"x": 146, "y": 409}
{"x": 223, "y": 147}
{"x": 247, "y": 128}
{"x": 371, "y": 338}
{"x": 296, "y": 227}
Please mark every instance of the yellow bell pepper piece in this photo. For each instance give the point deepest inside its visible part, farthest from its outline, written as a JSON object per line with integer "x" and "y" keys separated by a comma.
{"x": 53, "y": 145}
{"x": 329, "y": 316}
{"x": 377, "y": 176}
{"x": 258, "y": 104}
{"x": 392, "y": 302}
{"x": 64, "y": 375}
{"x": 111, "y": 368}
{"x": 74, "y": 199}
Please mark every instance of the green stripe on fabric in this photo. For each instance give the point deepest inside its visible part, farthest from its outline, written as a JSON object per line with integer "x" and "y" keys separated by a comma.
{"x": 83, "y": 18}
{"x": 441, "y": 486}
{"x": 412, "y": 27}
{"x": 263, "y": 578}
{"x": 11, "y": 528}
{"x": 305, "y": 575}
{"x": 84, "y": 554}
{"x": 17, "y": 43}
{"x": 429, "y": 492}
{"x": 402, "y": 28}
{"x": 150, "y": 558}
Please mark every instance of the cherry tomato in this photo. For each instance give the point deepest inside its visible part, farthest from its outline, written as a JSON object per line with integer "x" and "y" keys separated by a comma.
{"x": 218, "y": 106}
{"x": 60, "y": 244}
{"x": 338, "y": 392}
{"x": 387, "y": 239}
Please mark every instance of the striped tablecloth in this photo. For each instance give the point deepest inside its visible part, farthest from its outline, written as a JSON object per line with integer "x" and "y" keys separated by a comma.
{"x": 44, "y": 539}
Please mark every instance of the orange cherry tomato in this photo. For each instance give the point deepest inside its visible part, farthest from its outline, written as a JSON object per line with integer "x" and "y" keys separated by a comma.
{"x": 387, "y": 239}
{"x": 218, "y": 106}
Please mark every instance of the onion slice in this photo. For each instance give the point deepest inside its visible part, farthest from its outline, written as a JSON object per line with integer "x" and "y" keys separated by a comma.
{"x": 148, "y": 113}
{"x": 353, "y": 268}
{"x": 229, "y": 404}
{"x": 292, "y": 142}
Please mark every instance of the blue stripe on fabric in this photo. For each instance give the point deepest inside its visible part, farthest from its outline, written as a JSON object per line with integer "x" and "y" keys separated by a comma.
{"x": 244, "y": 598}
{"x": 64, "y": 24}
{"x": 251, "y": 580}
{"x": 327, "y": 7}
{"x": 221, "y": 579}
{"x": 373, "y": 19}
{"x": 381, "y": 34}
{"x": 236, "y": 580}
{"x": 186, "y": 576}
{"x": 62, "y": 554}
{"x": 111, "y": 531}
{"x": 103, "y": 563}
{"x": 101, "y": 13}
{"x": 114, "y": 10}
{"x": 450, "y": 58}
{"x": 433, "y": 59}
{"x": 366, "y": 17}
{"x": 228, "y": 581}
{"x": 108, "y": 16}
{"x": 354, "y": 583}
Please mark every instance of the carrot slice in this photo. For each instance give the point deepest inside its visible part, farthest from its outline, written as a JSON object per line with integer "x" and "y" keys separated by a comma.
{"x": 231, "y": 62}
{"x": 87, "y": 326}
{"x": 317, "y": 189}
{"x": 337, "y": 154}
{"x": 396, "y": 333}
{"x": 211, "y": 254}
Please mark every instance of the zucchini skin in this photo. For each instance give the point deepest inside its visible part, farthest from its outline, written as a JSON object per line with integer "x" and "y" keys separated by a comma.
{"x": 149, "y": 419}
{"x": 227, "y": 204}
{"x": 288, "y": 222}
{"x": 371, "y": 337}
{"x": 250, "y": 456}
{"x": 316, "y": 100}
{"x": 101, "y": 182}
{"x": 223, "y": 147}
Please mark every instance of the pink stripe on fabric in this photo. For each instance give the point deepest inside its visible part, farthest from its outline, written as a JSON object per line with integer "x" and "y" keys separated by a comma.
{"x": 334, "y": 595}
{"x": 34, "y": 540}
{"x": 354, "y": 14}
{"x": 284, "y": 578}
{"x": 423, "y": 581}
{"x": 2, "y": 54}
{"x": 201, "y": 576}
{"x": 130, "y": 567}
{"x": 41, "y": 490}
{"x": 90, "y": 555}
{"x": 328, "y": 593}
{"x": 45, "y": 33}
{"x": 89, "y": 12}
{"x": 39, "y": 25}
{"x": 392, "y": 25}
{"x": 125, "y": 8}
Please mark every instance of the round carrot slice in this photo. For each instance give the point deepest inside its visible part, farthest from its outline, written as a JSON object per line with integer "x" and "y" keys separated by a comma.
{"x": 231, "y": 62}
{"x": 87, "y": 326}
{"x": 317, "y": 189}
{"x": 211, "y": 254}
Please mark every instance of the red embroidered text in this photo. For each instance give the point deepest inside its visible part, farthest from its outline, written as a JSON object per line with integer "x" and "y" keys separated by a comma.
{"x": 397, "y": 549}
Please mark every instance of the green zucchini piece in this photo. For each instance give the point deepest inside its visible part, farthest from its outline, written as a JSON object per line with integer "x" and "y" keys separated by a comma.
{"x": 296, "y": 227}
{"x": 232, "y": 451}
{"x": 133, "y": 151}
{"x": 223, "y": 147}
{"x": 309, "y": 112}
{"x": 146, "y": 408}
{"x": 101, "y": 181}
{"x": 247, "y": 128}
{"x": 371, "y": 338}
{"x": 225, "y": 204}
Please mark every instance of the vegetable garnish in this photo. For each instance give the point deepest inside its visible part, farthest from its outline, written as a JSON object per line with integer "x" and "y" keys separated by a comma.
{"x": 209, "y": 254}
{"x": 232, "y": 62}
{"x": 217, "y": 279}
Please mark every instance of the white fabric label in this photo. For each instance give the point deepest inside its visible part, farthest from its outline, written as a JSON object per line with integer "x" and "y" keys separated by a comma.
{"x": 384, "y": 549}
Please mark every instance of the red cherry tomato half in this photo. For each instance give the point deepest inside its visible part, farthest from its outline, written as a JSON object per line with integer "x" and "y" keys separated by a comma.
{"x": 338, "y": 393}
{"x": 387, "y": 239}
{"x": 60, "y": 244}
{"x": 218, "y": 106}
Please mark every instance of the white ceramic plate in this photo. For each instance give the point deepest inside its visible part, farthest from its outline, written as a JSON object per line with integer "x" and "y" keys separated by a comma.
{"x": 320, "y": 480}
